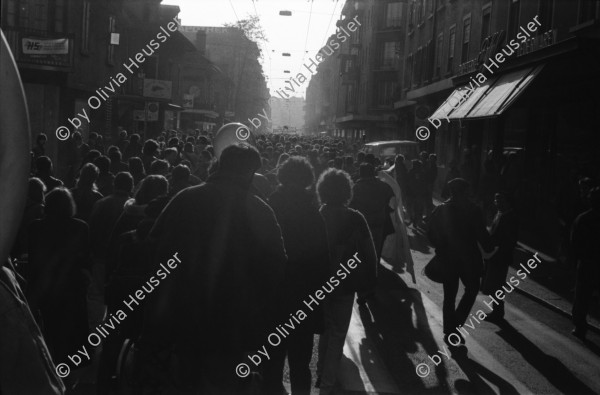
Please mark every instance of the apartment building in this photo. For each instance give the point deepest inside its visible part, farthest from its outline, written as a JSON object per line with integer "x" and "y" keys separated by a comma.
{"x": 499, "y": 77}
{"x": 354, "y": 92}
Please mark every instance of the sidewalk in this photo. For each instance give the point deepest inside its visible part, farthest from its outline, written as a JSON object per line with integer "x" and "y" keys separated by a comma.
{"x": 549, "y": 284}
{"x": 548, "y": 296}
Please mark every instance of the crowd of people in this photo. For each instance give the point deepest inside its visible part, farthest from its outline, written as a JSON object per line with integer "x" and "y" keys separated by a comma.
{"x": 257, "y": 228}
{"x": 262, "y": 228}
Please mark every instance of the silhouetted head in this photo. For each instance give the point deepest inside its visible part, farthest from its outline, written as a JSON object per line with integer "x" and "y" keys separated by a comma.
{"x": 458, "y": 187}
{"x": 123, "y": 182}
{"x": 240, "y": 159}
{"x": 43, "y": 164}
{"x": 59, "y": 204}
{"x": 151, "y": 187}
{"x": 335, "y": 187}
{"x": 296, "y": 171}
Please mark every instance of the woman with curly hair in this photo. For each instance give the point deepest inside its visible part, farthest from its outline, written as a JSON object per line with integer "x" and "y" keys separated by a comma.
{"x": 348, "y": 236}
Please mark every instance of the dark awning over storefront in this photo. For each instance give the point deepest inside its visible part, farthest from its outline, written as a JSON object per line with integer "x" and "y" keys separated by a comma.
{"x": 490, "y": 99}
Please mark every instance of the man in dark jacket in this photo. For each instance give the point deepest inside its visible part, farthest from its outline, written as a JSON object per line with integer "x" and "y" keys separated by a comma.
{"x": 308, "y": 267}
{"x": 455, "y": 229}
{"x": 371, "y": 197}
{"x": 220, "y": 302}
{"x": 105, "y": 214}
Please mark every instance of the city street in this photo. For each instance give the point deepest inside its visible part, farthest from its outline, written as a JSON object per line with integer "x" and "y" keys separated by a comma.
{"x": 534, "y": 353}
{"x": 192, "y": 190}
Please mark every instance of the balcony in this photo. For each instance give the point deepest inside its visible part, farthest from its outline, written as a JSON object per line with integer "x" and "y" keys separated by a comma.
{"x": 390, "y": 25}
{"x": 388, "y": 65}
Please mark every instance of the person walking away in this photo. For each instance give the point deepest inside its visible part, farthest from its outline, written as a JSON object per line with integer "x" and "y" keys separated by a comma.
{"x": 34, "y": 209}
{"x": 455, "y": 229}
{"x": 430, "y": 175}
{"x": 371, "y": 197}
{"x": 132, "y": 271}
{"x": 504, "y": 235}
{"x": 59, "y": 272}
{"x": 400, "y": 173}
{"x": 105, "y": 214}
{"x": 347, "y": 233}
{"x": 396, "y": 248}
{"x": 40, "y": 146}
{"x": 584, "y": 239}
{"x": 220, "y": 302}
{"x": 416, "y": 193}
{"x": 150, "y": 188}
{"x": 85, "y": 192}
{"x": 44, "y": 167}
{"x": 106, "y": 179}
{"x": 305, "y": 239}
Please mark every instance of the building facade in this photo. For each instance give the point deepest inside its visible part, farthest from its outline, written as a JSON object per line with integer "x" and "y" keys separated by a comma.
{"x": 95, "y": 66}
{"x": 238, "y": 59}
{"x": 353, "y": 93}
{"x": 507, "y": 89}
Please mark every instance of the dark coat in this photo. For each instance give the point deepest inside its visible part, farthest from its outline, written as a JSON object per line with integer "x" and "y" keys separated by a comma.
{"x": 454, "y": 230}
{"x": 221, "y": 299}
{"x": 348, "y": 234}
{"x": 84, "y": 202}
{"x": 371, "y": 197}
{"x": 58, "y": 254}
{"x": 104, "y": 216}
{"x": 305, "y": 241}
{"x": 129, "y": 219}
{"x": 416, "y": 184}
{"x": 584, "y": 237}
{"x": 133, "y": 266}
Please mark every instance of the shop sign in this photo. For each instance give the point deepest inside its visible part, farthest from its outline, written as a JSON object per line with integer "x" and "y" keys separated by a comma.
{"x": 34, "y": 46}
{"x": 188, "y": 101}
{"x": 159, "y": 89}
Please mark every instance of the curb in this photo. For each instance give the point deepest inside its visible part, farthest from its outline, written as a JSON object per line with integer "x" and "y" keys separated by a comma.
{"x": 552, "y": 307}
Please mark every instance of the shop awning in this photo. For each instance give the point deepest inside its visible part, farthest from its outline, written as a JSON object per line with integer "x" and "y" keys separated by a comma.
{"x": 505, "y": 91}
{"x": 208, "y": 113}
{"x": 490, "y": 99}
{"x": 474, "y": 97}
{"x": 447, "y": 106}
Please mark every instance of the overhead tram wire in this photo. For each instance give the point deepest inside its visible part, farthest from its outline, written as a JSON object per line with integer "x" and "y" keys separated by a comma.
{"x": 265, "y": 48}
{"x": 307, "y": 30}
{"x": 235, "y": 13}
{"x": 330, "y": 19}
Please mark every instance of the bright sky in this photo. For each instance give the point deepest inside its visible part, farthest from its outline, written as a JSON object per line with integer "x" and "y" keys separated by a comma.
{"x": 306, "y": 30}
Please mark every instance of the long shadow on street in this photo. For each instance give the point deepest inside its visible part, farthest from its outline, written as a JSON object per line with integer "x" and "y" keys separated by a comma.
{"x": 388, "y": 322}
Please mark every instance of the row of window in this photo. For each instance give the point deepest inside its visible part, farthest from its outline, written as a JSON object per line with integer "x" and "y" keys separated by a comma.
{"x": 385, "y": 95}
{"x": 419, "y": 66}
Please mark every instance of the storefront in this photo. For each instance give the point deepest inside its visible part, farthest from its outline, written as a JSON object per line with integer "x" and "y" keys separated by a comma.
{"x": 533, "y": 123}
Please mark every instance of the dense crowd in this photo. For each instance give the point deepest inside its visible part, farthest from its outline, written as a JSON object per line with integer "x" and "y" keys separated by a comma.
{"x": 90, "y": 239}
{"x": 257, "y": 228}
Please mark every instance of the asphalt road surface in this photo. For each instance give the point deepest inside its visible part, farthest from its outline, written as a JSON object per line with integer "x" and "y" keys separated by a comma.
{"x": 534, "y": 353}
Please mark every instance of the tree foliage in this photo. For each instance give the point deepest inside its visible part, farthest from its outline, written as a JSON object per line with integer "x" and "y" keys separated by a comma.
{"x": 251, "y": 27}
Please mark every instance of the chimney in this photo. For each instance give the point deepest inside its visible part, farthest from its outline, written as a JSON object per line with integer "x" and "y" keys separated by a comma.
{"x": 201, "y": 41}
